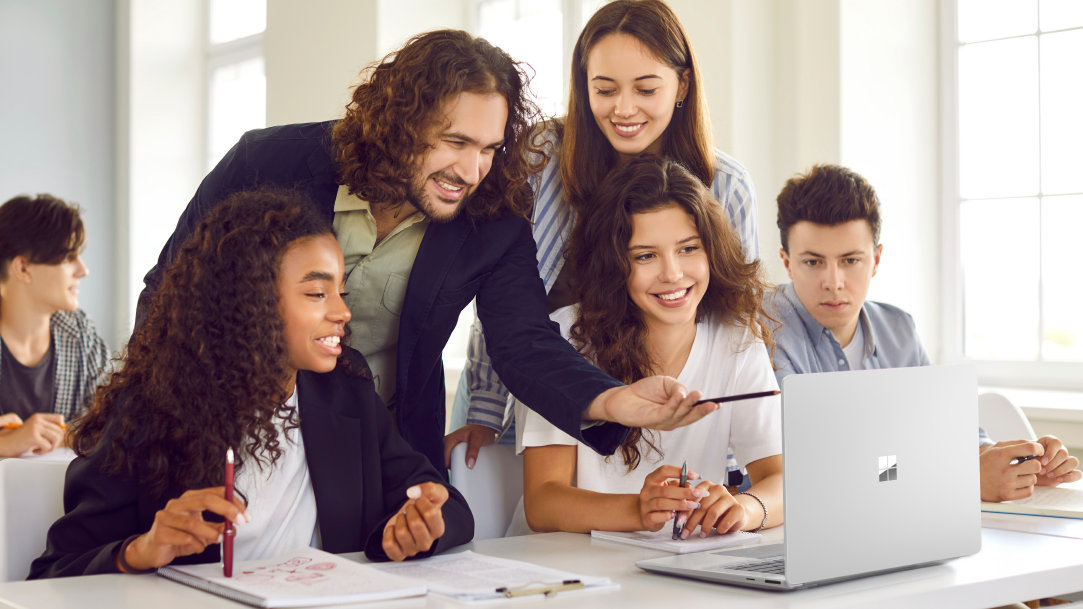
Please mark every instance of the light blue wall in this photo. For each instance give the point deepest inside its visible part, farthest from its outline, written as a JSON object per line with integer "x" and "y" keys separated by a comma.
{"x": 57, "y": 124}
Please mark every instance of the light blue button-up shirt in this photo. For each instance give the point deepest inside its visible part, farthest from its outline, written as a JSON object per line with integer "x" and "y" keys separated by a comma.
{"x": 803, "y": 345}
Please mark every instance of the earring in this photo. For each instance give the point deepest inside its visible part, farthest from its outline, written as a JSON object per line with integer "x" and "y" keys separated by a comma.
{"x": 680, "y": 103}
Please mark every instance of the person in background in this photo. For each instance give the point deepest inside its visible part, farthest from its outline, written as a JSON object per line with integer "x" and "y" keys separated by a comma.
{"x": 51, "y": 356}
{"x": 662, "y": 288}
{"x": 425, "y": 181}
{"x": 635, "y": 89}
{"x": 241, "y": 349}
{"x": 829, "y": 222}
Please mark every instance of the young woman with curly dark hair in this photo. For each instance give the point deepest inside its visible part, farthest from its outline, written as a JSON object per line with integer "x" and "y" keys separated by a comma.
{"x": 241, "y": 349}
{"x": 663, "y": 288}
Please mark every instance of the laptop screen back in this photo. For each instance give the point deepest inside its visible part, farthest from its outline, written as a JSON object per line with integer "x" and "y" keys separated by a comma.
{"x": 881, "y": 470}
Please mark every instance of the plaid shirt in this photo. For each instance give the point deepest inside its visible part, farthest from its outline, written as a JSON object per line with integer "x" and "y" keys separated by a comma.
{"x": 81, "y": 361}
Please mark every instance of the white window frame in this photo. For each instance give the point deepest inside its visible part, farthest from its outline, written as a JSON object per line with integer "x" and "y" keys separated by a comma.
{"x": 220, "y": 55}
{"x": 1066, "y": 376}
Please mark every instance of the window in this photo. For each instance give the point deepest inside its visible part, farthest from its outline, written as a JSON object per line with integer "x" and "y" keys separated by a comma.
{"x": 236, "y": 86}
{"x": 1016, "y": 195}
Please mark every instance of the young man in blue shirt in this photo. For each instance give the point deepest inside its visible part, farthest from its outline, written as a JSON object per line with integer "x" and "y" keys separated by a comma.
{"x": 829, "y": 220}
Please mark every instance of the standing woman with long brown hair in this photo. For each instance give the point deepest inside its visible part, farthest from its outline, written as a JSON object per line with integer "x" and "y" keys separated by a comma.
{"x": 636, "y": 88}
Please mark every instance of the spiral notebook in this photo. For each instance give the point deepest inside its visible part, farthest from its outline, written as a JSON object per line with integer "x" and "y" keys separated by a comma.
{"x": 306, "y": 577}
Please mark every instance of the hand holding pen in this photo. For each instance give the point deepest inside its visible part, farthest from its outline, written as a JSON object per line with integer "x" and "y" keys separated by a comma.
{"x": 661, "y": 497}
{"x": 180, "y": 530}
{"x": 40, "y": 433}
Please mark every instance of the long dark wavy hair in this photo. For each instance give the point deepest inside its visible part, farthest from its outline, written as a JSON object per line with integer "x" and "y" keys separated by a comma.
{"x": 387, "y": 126}
{"x": 206, "y": 370}
{"x": 610, "y": 329}
{"x": 586, "y": 155}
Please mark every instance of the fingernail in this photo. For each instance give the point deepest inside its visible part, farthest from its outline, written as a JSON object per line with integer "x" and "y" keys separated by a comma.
{"x": 219, "y": 539}
{"x": 683, "y": 518}
{"x": 700, "y": 493}
{"x": 243, "y": 518}
{"x": 685, "y": 533}
{"x": 702, "y": 533}
{"x": 692, "y": 505}
{"x": 414, "y": 492}
{"x": 470, "y": 461}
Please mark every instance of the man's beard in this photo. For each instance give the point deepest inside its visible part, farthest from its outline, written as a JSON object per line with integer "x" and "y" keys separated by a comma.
{"x": 420, "y": 199}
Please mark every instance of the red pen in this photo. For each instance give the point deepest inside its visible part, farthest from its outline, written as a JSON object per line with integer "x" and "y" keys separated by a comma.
{"x": 227, "y": 536}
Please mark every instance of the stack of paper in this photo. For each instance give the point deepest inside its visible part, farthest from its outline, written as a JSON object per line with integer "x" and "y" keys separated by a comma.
{"x": 468, "y": 576}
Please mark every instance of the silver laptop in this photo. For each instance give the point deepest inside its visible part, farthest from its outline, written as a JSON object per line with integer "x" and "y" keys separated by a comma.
{"x": 880, "y": 472}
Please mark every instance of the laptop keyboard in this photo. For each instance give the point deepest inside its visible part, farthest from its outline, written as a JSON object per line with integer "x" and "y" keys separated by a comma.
{"x": 775, "y": 566}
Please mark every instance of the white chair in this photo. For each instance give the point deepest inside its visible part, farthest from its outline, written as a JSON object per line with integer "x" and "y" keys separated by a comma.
{"x": 31, "y": 499}
{"x": 492, "y": 488}
{"x": 1003, "y": 420}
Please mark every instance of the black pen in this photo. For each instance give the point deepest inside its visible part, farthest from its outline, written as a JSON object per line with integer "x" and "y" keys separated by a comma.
{"x": 740, "y": 396}
{"x": 677, "y": 514}
{"x": 1018, "y": 460}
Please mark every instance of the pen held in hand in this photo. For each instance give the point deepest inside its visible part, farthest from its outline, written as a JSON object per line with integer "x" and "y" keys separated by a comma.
{"x": 740, "y": 396}
{"x": 1018, "y": 460}
{"x": 18, "y": 425}
{"x": 677, "y": 515}
{"x": 227, "y": 536}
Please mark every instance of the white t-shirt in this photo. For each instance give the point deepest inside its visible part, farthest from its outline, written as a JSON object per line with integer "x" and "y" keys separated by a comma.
{"x": 855, "y": 351}
{"x": 280, "y": 500}
{"x": 724, "y": 360}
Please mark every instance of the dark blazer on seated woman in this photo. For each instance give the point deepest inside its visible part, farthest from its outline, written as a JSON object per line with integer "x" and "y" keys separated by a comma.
{"x": 359, "y": 465}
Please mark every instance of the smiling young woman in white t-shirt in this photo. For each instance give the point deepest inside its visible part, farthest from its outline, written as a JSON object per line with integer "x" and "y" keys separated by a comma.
{"x": 663, "y": 288}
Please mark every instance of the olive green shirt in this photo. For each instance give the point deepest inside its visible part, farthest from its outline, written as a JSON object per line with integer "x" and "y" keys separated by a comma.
{"x": 376, "y": 276}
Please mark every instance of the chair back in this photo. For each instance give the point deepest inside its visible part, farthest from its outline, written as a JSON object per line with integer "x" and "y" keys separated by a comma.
{"x": 31, "y": 499}
{"x": 1003, "y": 420}
{"x": 492, "y": 488}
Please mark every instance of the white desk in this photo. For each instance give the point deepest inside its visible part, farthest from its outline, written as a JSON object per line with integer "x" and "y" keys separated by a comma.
{"x": 1012, "y": 566}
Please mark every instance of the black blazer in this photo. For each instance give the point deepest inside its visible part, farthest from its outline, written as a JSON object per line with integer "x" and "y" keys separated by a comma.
{"x": 360, "y": 470}
{"x": 496, "y": 261}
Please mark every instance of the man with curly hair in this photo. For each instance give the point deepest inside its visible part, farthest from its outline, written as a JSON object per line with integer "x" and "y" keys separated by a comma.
{"x": 425, "y": 179}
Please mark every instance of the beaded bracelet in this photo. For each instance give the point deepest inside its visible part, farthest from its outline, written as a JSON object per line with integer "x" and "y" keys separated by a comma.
{"x": 124, "y": 566}
{"x": 762, "y": 505}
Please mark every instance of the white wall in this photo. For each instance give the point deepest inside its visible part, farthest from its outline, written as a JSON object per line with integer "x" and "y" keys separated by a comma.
{"x": 57, "y": 119}
{"x": 313, "y": 53}
{"x": 315, "y": 50}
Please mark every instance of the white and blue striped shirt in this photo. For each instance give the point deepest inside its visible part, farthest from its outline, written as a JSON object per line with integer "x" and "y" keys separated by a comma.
{"x": 553, "y": 220}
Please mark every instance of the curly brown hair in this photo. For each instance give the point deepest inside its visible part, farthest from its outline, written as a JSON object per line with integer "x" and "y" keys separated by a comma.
{"x": 610, "y": 328}
{"x": 378, "y": 145}
{"x": 206, "y": 370}
{"x": 586, "y": 156}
